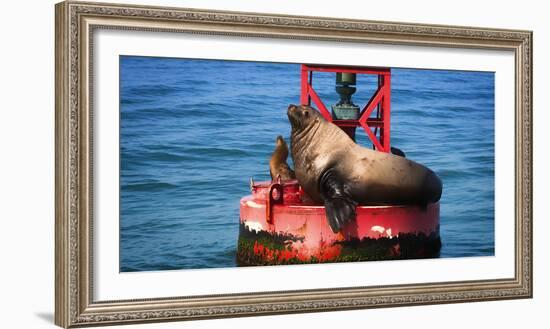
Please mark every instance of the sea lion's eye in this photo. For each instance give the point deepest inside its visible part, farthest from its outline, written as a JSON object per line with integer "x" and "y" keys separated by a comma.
{"x": 306, "y": 113}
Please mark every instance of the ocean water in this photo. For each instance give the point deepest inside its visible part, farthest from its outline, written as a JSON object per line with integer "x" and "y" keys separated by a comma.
{"x": 193, "y": 132}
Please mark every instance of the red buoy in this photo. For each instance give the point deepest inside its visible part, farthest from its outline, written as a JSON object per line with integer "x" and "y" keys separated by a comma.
{"x": 279, "y": 225}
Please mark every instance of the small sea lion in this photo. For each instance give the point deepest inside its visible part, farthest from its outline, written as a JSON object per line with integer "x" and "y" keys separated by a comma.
{"x": 336, "y": 172}
{"x": 277, "y": 163}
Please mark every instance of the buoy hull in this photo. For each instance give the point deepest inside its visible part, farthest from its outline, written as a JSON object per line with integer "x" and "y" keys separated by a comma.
{"x": 298, "y": 233}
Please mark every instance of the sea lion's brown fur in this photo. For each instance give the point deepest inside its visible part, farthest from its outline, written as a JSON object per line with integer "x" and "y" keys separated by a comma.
{"x": 277, "y": 163}
{"x": 336, "y": 172}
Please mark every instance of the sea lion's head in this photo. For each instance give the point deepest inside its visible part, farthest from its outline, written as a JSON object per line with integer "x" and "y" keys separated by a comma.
{"x": 280, "y": 146}
{"x": 302, "y": 116}
{"x": 280, "y": 141}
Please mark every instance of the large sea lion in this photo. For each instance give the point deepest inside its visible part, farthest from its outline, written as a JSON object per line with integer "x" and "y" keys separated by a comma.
{"x": 336, "y": 172}
{"x": 277, "y": 163}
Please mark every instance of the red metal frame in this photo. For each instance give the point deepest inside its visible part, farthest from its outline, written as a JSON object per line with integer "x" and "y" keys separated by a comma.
{"x": 380, "y": 100}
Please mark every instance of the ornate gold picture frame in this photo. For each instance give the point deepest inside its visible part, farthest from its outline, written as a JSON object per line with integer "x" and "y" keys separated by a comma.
{"x": 75, "y": 24}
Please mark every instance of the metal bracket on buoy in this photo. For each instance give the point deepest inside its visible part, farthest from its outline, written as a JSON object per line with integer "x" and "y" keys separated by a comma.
{"x": 379, "y": 101}
{"x": 274, "y": 196}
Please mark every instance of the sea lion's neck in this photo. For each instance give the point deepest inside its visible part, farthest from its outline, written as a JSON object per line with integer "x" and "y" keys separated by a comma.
{"x": 280, "y": 153}
{"x": 301, "y": 138}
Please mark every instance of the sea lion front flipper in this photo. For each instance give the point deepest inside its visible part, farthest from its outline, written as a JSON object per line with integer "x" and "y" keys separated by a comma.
{"x": 339, "y": 206}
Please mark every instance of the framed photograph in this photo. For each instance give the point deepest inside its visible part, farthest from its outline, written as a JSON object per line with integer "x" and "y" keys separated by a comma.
{"x": 218, "y": 164}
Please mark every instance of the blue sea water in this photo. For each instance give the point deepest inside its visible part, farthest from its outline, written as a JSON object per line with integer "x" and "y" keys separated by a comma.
{"x": 193, "y": 132}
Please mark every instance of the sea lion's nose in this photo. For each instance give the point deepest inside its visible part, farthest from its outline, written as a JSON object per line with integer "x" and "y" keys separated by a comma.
{"x": 291, "y": 107}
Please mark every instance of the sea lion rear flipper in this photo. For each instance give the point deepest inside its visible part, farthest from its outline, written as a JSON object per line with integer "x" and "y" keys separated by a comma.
{"x": 339, "y": 206}
{"x": 396, "y": 151}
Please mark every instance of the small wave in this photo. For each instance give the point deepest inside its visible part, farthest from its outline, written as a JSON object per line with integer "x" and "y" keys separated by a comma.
{"x": 138, "y": 158}
{"x": 150, "y": 90}
{"x": 459, "y": 109}
{"x": 183, "y": 111}
{"x": 450, "y": 173}
{"x": 218, "y": 151}
{"x": 148, "y": 187}
{"x": 482, "y": 158}
{"x": 132, "y": 101}
{"x": 438, "y": 94}
{"x": 153, "y": 227}
{"x": 166, "y": 157}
